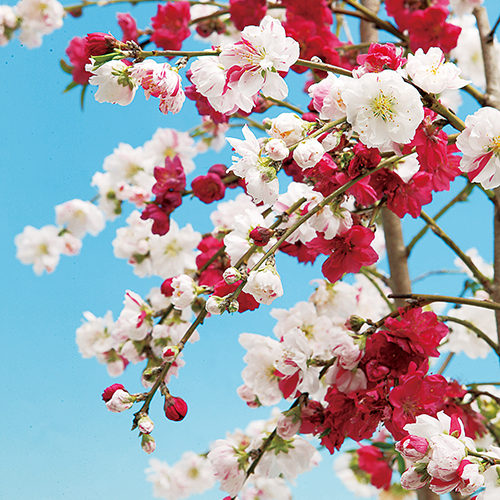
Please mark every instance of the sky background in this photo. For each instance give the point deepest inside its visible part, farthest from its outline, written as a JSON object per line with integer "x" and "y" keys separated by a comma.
{"x": 58, "y": 441}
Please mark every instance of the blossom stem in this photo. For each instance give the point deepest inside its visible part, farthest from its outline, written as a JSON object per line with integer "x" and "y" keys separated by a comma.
{"x": 367, "y": 275}
{"x": 462, "y": 196}
{"x": 431, "y": 102}
{"x": 446, "y": 362}
{"x": 429, "y": 299}
{"x": 164, "y": 370}
{"x": 319, "y": 206}
{"x": 385, "y": 25}
{"x": 284, "y": 104}
{"x": 483, "y": 280}
{"x": 473, "y": 328}
{"x": 323, "y": 67}
{"x": 475, "y": 93}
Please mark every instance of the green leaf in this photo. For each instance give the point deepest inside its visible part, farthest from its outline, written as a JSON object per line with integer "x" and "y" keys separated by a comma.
{"x": 103, "y": 59}
{"x": 82, "y": 95}
{"x": 72, "y": 85}
{"x": 383, "y": 446}
{"x": 66, "y": 67}
{"x": 401, "y": 464}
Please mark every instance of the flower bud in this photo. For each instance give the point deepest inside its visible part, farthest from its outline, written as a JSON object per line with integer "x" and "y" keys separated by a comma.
{"x": 175, "y": 408}
{"x": 145, "y": 425}
{"x": 169, "y": 353}
{"x": 231, "y": 275}
{"x": 214, "y": 305}
{"x": 276, "y": 149}
{"x": 288, "y": 426}
{"x": 234, "y": 306}
{"x": 261, "y": 235}
{"x": 354, "y": 323}
{"x": 109, "y": 391}
{"x": 97, "y": 44}
{"x": 148, "y": 443}
{"x": 308, "y": 153}
{"x": 120, "y": 401}
{"x": 413, "y": 448}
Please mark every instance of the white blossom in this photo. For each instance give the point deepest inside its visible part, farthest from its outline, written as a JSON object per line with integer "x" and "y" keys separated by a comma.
{"x": 480, "y": 145}
{"x": 432, "y": 73}
{"x": 383, "y": 109}
{"x": 114, "y": 82}
{"x": 40, "y": 247}
{"x": 80, "y": 217}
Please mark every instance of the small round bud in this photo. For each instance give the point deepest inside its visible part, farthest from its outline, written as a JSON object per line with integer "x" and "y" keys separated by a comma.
{"x": 261, "y": 235}
{"x": 234, "y": 306}
{"x": 214, "y": 305}
{"x": 231, "y": 275}
{"x": 169, "y": 353}
{"x": 355, "y": 323}
{"x": 148, "y": 443}
{"x": 145, "y": 425}
{"x": 109, "y": 391}
{"x": 175, "y": 408}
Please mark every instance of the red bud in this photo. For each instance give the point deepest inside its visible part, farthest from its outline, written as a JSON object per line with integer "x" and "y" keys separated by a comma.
{"x": 175, "y": 408}
{"x": 109, "y": 391}
{"x": 261, "y": 235}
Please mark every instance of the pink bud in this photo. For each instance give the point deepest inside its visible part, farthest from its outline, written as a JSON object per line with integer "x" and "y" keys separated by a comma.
{"x": 175, "y": 408}
{"x": 98, "y": 44}
{"x": 148, "y": 443}
{"x": 286, "y": 428}
{"x": 412, "y": 448}
{"x": 145, "y": 425}
{"x": 109, "y": 391}
{"x": 261, "y": 235}
{"x": 169, "y": 353}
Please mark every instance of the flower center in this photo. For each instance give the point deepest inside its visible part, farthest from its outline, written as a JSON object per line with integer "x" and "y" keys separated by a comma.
{"x": 173, "y": 249}
{"x": 382, "y": 107}
{"x": 494, "y": 145}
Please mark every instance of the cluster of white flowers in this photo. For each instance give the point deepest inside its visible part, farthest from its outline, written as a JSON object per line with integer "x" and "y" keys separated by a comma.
{"x": 151, "y": 254}
{"x": 116, "y": 343}
{"x": 43, "y": 247}
{"x": 129, "y": 172}
{"x": 228, "y": 461}
{"x": 315, "y": 329}
{"x": 37, "y": 18}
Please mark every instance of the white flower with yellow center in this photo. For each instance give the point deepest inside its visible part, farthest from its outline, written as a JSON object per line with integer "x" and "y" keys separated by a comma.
{"x": 383, "y": 109}
{"x": 480, "y": 145}
{"x": 432, "y": 73}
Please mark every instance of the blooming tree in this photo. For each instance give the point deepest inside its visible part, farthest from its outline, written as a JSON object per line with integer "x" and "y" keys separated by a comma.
{"x": 324, "y": 176}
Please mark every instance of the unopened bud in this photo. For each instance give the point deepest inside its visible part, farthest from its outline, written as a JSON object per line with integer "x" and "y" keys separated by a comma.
{"x": 166, "y": 287}
{"x": 231, "y": 275}
{"x": 175, "y": 408}
{"x": 169, "y": 353}
{"x": 214, "y": 305}
{"x": 148, "y": 443}
{"x": 120, "y": 401}
{"x": 109, "y": 391}
{"x": 145, "y": 425}
{"x": 261, "y": 235}
{"x": 233, "y": 306}
{"x": 354, "y": 323}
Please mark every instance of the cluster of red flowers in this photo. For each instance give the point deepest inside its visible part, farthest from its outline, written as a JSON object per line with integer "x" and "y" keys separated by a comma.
{"x": 169, "y": 187}
{"x": 395, "y": 363}
{"x": 425, "y": 22}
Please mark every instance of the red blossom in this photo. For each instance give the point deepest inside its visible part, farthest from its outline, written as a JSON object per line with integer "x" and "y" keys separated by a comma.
{"x": 209, "y": 246}
{"x": 171, "y": 25}
{"x": 98, "y": 44}
{"x": 372, "y": 460}
{"x": 128, "y": 25}
{"x": 245, "y": 300}
{"x": 351, "y": 251}
{"x": 427, "y": 28}
{"x": 78, "y": 58}
{"x": 247, "y": 12}
{"x": 208, "y": 188}
{"x": 380, "y": 57}
{"x": 300, "y": 250}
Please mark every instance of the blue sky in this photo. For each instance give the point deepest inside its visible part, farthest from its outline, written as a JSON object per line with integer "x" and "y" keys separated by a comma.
{"x": 58, "y": 439}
